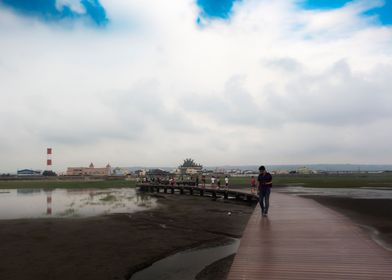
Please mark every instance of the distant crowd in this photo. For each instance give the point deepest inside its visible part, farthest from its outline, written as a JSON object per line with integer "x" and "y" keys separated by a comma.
{"x": 197, "y": 181}
{"x": 262, "y": 186}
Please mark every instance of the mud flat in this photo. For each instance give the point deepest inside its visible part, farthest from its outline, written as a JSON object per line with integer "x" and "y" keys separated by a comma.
{"x": 115, "y": 246}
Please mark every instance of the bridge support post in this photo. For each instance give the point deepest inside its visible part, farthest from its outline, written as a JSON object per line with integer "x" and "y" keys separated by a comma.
{"x": 172, "y": 190}
{"x": 182, "y": 190}
{"x": 201, "y": 192}
{"x": 226, "y": 195}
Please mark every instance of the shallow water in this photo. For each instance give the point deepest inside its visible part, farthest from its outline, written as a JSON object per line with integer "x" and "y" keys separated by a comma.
{"x": 65, "y": 203}
{"x": 367, "y": 193}
{"x": 187, "y": 264}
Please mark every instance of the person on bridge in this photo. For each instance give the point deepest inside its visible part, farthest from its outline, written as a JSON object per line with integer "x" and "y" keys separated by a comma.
{"x": 203, "y": 180}
{"x": 253, "y": 185}
{"x": 264, "y": 184}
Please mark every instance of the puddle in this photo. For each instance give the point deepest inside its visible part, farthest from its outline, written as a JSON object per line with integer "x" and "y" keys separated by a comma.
{"x": 187, "y": 264}
{"x": 65, "y": 203}
{"x": 368, "y": 193}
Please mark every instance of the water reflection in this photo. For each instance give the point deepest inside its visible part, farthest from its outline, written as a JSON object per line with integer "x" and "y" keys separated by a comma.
{"x": 185, "y": 265}
{"x": 48, "y": 202}
{"x": 38, "y": 203}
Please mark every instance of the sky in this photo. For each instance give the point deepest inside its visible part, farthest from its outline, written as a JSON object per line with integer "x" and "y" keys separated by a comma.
{"x": 150, "y": 83}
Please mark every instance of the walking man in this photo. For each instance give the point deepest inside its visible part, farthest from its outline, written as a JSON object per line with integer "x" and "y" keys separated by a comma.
{"x": 264, "y": 184}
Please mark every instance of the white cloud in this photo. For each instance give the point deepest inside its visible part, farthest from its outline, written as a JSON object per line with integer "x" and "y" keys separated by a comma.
{"x": 74, "y": 5}
{"x": 274, "y": 84}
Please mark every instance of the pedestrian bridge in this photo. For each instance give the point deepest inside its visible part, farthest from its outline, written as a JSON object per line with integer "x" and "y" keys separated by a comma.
{"x": 301, "y": 239}
{"x": 239, "y": 195}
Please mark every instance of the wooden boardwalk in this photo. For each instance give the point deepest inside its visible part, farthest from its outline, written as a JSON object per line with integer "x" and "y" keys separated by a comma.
{"x": 302, "y": 239}
{"x": 237, "y": 194}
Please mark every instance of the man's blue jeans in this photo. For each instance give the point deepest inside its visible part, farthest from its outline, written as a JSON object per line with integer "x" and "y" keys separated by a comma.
{"x": 264, "y": 199}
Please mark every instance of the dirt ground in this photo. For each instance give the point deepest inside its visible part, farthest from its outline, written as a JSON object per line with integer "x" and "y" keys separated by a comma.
{"x": 115, "y": 246}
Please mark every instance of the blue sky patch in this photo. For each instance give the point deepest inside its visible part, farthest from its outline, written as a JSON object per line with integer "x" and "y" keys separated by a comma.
{"x": 384, "y": 13}
{"x": 216, "y": 8}
{"x": 324, "y": 4}
{"x": 49, "y": 10}
{"x": 222, "y": 8}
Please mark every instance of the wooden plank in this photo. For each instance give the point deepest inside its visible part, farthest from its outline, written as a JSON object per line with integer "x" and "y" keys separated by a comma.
{"x": 302, "y": 239}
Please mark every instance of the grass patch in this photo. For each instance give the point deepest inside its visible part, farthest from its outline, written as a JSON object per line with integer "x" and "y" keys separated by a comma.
{"x": 370, "y": 180}
{"x": 108, "y": 198}
{"x": 62, "y": 184}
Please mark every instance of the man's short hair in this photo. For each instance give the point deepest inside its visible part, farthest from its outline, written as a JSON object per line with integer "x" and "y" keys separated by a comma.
{"x": 262, "y": 168}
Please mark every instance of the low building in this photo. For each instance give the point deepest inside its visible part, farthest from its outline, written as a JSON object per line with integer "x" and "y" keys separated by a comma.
{"x": 304, "y": 170}
{"x": 234, "y": 171}
{"x": 280, "y": 172}
{"x": 193, "y": 170}
{"x": 140, "y": 172}
{"x": 28, "y": 172}
{"x": 157, "y": 173}
{"x": 120, "y": 171}
{"x": 90, "y": 171}
{"x": 250, "y": 172}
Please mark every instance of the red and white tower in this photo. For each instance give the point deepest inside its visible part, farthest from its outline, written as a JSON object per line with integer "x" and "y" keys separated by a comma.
{"x": 49, "y": 159}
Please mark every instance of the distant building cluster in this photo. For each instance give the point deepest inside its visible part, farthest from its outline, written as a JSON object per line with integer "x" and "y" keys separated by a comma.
{"x": 301, "y": 170}
{"x": 188, "y": 169}
{"x": 90, "y": 171}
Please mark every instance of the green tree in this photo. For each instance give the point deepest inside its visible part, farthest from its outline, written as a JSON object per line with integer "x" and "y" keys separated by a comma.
{"x": 49, "y": 173}
{"x": 189, "y": 163}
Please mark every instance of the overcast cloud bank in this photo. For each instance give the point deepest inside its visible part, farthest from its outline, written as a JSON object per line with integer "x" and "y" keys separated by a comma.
{"x": 272, "y": 83}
